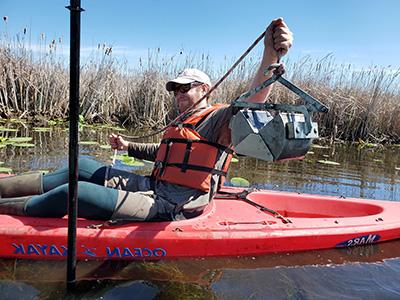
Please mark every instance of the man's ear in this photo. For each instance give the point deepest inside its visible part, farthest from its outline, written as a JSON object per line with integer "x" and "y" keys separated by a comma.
{"x": 205, "y": 88}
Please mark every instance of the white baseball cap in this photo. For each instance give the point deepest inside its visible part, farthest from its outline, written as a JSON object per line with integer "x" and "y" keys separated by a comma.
{"x": 188, "y": 76}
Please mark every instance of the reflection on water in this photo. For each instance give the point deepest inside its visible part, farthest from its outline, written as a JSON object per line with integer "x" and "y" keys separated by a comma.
{"x": 354, "y": 273}
{"x": 353, "y": 281}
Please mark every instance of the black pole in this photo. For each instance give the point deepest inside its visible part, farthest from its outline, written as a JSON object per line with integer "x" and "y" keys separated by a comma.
{"x": 75, "y": 27}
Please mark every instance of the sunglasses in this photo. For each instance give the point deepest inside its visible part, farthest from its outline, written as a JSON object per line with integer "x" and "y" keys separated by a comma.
{"x": 184, "y": 88}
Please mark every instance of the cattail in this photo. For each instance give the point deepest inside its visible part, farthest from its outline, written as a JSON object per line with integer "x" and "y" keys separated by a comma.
{"x": 5, "y": 18}
{"x": 25, "y": 30}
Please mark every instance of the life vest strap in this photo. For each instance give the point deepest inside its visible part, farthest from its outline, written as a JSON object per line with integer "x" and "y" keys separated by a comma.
{"x": 213, "y": 171}
{"x": 185, "y": 141}
{"x": 166, "y": 157}
{"x": 188, "y": 150}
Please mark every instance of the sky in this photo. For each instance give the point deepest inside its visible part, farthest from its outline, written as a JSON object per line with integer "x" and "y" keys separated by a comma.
{"x": 360, "y": 32}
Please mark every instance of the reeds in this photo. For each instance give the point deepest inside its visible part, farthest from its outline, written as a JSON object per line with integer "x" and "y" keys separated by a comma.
{"x": 364, "y": 103}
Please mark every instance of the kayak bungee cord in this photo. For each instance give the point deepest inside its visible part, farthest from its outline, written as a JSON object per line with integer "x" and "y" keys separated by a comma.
{"x": 205, "y": 96}
{"x": 243, "y": 196}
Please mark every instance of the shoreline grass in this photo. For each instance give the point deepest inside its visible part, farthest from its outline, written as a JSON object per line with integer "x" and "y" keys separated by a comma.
{"x": 364, "y": 103}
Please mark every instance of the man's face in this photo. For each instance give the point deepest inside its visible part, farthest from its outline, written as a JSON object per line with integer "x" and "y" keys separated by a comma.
{"x": 188, "y": 94}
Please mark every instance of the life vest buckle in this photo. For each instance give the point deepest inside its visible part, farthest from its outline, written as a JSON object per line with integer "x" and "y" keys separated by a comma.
{"x": 158, "y": 164}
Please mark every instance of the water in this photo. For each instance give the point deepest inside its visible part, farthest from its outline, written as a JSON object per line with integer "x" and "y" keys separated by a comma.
{"x": 368, "y": 272}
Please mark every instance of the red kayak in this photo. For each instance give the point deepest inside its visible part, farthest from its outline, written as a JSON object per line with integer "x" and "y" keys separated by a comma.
{"x": 234, "y": 224}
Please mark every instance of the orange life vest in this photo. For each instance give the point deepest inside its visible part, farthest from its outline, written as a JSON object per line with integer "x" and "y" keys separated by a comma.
{"x": 186, "y": 158}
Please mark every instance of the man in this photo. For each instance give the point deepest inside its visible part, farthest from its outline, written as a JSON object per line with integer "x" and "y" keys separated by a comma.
{"x": 190, "y": 86}
{"x": 190, "y": 162}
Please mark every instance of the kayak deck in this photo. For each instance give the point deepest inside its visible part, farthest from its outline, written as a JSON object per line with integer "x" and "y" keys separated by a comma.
{"x": 228, "y": 227}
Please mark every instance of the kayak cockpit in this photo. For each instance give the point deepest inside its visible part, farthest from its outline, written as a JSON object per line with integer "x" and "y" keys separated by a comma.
{"x": 293, "y": 205}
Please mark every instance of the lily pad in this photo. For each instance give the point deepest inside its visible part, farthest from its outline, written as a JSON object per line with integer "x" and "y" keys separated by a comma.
{"x": 41, "y": 129}
{"x": 43, "y": 171}
{"x": 234, "y": 160}
{"x": 310, "y": 152}
{"x": 17, "y": 120}
{"x": 105, "y": 146}
{"x": 55, "y": 122}
{"x": 22, "y": 139}
{"x": 5, "y": 170}
{"x": 240, "y": 182}
{"x": 378, "y": 160}
{"x": 328, "y": 162}
{"x": 397, "y": 168}
{"x": 115, "y": 128}
{"x": 3, "y": 145}
{"x": 133, "y": 163}
{"x": 24, "y": 145}
{"x": 129, "y": 161}
{"x": 88, "y": 143}
{"x": 370, "y": 145}
{"x": 119, "y": 156}
{"x": 8, "y": 129}
{"x": 319, "y": 146}
{"x": 86, "y": 125}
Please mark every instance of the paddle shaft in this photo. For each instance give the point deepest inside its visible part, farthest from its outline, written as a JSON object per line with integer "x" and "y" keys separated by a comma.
{"x": 75, "y": 23}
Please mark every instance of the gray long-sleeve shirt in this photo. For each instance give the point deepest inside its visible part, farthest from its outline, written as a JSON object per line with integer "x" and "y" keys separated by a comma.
{"x": 147, "y": 151}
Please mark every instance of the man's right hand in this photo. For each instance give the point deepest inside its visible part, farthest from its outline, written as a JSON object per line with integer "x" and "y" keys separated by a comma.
{"x": 278, "y": 39}
{"x": 117, "y": 142}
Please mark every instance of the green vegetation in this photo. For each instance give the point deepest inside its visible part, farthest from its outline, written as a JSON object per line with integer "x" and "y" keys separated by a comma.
{"x": 88, "y": 143}
{"x": 19, "y": 139}
{"x": 6, "y": 170}
{"x": 240, "y": 182}
{"x": 328, "y": 162}
{"x": 234, "y": 160}
{"x": 24, "y": 145}
{"x": 129, "y": 161}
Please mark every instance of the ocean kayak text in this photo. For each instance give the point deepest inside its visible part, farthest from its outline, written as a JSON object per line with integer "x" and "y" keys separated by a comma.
{"x": 55, "y": 250}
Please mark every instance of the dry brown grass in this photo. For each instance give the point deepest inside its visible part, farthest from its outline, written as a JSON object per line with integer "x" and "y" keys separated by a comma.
{"x": 364, "y": 104}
